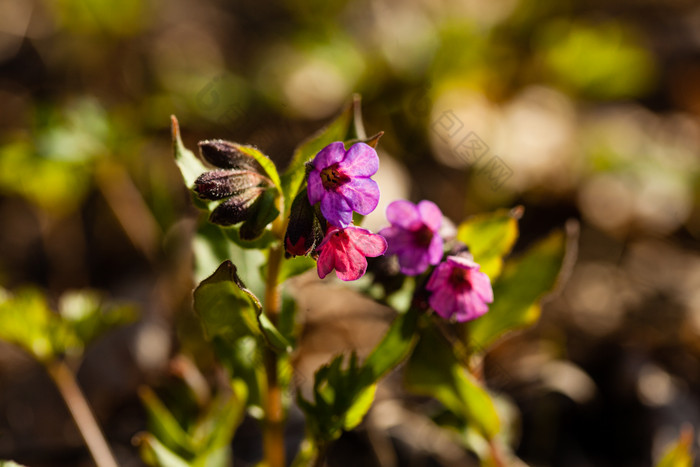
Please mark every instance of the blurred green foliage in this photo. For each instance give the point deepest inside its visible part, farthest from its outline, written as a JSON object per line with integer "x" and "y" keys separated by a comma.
{"x": 27, "y": 321}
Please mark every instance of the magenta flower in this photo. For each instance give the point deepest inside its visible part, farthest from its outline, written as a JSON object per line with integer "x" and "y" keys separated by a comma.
{"x": 340, "y": 180}
{"x": 413, "y": 235}
{"x": 345, "y": 250}
{"x": 459, "y": 289}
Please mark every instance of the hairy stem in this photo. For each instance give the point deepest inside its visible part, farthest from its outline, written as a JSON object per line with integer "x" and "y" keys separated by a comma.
{"x": 273, "y": 434}
{"x": 83, "y": 416}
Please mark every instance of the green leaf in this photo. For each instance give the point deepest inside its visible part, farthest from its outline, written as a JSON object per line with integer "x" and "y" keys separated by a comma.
{"x": 680, "y": 453}
{"x": 360, "y": 407}
{"x": 294, "y": 266}
{"x": 218, "y": 425}
{"x": 519, "y": 289}
{"x": 190, "y": 165}
{"x": 393, "y": 348}
{"x": 490, "y": 237}
{"x": 164, "y": 425}
{"x": 89, "y": 317}
{"x": 224, "y": 308}
{"x": 265, "y": 162}
{"x": 230, "y": 310}
{"x": 343, "y": 128}
{"x": 27, "y": 321}
{"x": 157, "y": 454}
{"x": 265, "y": 240}
{"x": 433, "y": 370}
{"x": 264, "y": 211}
{"x": 342, "y": 397}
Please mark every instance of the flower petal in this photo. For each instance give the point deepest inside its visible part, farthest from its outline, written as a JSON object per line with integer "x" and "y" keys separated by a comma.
{"x": 397, "y": 239}
{"x": 439, "y": 278}
{"x": 362, "y": 194}
{"x": 435, "y": 250}
{"x": 336, "y": 210}
{"x": 326, "y": 262}
{"x": 413, "y": 262}
{"x": 350, "y": 264}
{"x": 315, "y": 188}
{"x": 366, "y": 242}
{"x": 481, "y": 285}
{"x": 469, "y": 307}
{"x": 431, "y": 214}
{"x": 403, "y": 214}
{"x": 334, "y": 152}
{"x": 443, "y": 302}
{"x": 361, "y": 160}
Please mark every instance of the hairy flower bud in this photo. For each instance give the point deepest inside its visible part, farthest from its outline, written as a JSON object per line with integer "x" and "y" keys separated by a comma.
{"x": 220, "y": 184}
{"x": 237, "y": 208}
{"x": 242, "y": 180}
{"x": 305, "y": 229}
{"x": 228, "y": 155}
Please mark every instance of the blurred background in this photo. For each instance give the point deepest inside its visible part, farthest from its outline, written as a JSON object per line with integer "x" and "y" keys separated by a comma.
{"x": 573, "y": 109}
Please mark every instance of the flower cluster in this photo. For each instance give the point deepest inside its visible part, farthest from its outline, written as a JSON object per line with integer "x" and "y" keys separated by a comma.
{"x": 339, "y": 183}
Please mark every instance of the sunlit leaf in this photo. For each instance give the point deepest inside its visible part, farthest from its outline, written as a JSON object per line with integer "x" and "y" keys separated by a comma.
{"x": 163, "y": 424}
{"x": 190, "y": 165}
{"x": 680, "y": 453}
{"x": 265, "y": 162}
{"x": 519, "y": 289}
{"x": 490, "y": 237}
{"x": 223, "y": 308}
{"x": 157, "y": 454}
{"x": 433, "y": 370}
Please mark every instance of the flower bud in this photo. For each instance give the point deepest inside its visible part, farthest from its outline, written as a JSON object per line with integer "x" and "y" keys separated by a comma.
{"x": 305, "y": 229}
{"x": 220, "y": 184}
{"x": 228, "y": 155}
{"x": 237, "y": 208}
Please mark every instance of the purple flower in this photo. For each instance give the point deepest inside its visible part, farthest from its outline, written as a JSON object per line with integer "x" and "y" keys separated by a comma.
{"x": 340, "y": 180}
{"x": 413, "y": 235}
{"x": 459, "y": 289}
{"x": 345, "y": 250}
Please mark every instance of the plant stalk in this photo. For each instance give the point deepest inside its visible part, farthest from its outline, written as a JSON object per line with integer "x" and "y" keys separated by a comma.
{"x": 83, "y": 416}
{"x": 273, "y": 429}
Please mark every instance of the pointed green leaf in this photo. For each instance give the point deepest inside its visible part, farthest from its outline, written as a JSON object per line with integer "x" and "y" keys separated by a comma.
{"x": 519, "y": 289}
{"x": 490, "y": 237}
{"x": 163, "y": 424}
{"x": 157, "y": 454}
{"x": 433, "y": 370}
{"x": 393, "y": 348}
{"x": 360, "y": 407}
{"x": 190, "y": 165}
{"x": 224, "y": 309}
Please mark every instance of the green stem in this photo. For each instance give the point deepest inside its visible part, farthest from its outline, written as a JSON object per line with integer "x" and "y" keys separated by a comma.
{"x": 83, "y": 416}
{"x": 273, "y": 429}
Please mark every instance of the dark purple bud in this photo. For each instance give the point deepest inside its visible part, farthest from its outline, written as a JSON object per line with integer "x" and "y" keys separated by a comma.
{"x": 228, "y": 155}
{"x": 237, "y": 208}
{"x": 305, "y": 229}
{"x": 220, "y": 184}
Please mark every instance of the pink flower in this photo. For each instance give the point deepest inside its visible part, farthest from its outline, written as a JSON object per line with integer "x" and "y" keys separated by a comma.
{"x": 345, "y": 250}
{"x": 459, "y": 289}
{"x": 340, "y": 181}
{"x": 413, "y": 235}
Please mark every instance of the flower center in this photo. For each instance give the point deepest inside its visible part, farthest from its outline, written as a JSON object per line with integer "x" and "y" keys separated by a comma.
{"x": 460, "y": 280}
{"x": 423, "y": 236}
{"x": 332, "y": 177}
